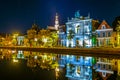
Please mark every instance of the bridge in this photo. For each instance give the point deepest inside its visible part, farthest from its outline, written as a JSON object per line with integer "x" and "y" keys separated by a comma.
{"x": 100, "y": 52}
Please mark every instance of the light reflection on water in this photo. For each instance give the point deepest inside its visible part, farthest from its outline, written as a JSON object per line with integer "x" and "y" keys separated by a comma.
{"x": 67, "y": 67}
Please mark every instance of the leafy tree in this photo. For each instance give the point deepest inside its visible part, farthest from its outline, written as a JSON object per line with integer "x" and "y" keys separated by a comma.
{"x": 43, "y": 34}
{"x": 95, "y": 24}
{"x": 118, "y": 26}
{"x": 36, "y": 28}
{"x": 115, "y": 23}
{"x": 54, "y": 37}
{"x": 31, "y": 35}
{"x": 70, "y": 36}
{"x": 94, "y": 40}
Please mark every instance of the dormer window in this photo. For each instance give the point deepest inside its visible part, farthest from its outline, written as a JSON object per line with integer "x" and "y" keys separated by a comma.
{"x": 103, "y": 27}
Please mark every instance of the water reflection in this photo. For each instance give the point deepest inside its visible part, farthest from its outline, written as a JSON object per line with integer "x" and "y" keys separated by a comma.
{"x": 69, "y": 67}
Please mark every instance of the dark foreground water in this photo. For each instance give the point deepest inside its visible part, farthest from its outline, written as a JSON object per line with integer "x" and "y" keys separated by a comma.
{"x": 19, "y": 65}
{"x": 20, "y": 71}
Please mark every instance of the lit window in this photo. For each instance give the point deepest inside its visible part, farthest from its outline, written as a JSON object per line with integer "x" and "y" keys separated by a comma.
{"x": 103, "y": 27}
{"x": 103, "y": 34}
{"x": 103, "y": 66}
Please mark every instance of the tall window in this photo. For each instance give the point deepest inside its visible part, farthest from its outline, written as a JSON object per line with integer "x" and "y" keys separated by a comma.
{"x": 86, "y": 23}
{"x": 98, "y": 34}
{"x": 103, "y": 66}
{"x": 103, "y": 27}
{"x": 77, "y": 28}
{"x": 109, "y": 34}
{"x": 103, "y": 34}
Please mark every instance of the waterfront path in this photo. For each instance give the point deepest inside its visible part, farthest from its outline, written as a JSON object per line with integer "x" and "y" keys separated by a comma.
{"x": 71, "y": 51}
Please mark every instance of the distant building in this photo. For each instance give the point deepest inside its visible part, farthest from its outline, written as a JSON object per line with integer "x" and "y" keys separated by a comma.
{"x": 56, "y": 26}
{"x": 104, "y": 33}
{"x": 60, "y": 30}
{"x": 79, "y": 31}
{"x": 20, "y": 40}
{"x": 62, "y": 35}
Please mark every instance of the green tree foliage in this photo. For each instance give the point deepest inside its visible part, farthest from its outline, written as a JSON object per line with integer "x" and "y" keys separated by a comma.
{"x": 118, "y": 26}
{"x": 115, "y": 23}
{"x": 94, "y": 40}
{"x": 95, "y": 24}
{"x": 71, "y": 34}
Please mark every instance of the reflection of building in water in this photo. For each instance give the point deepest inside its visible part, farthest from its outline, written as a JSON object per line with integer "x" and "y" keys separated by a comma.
{"x": 105, "y": 67}
{"x": 77, "y": 67}
{"x": 118, "y": 67}
{"x": 20, "y": 55}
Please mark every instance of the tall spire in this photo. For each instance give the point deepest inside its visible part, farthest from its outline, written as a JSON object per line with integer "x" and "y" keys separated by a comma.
{"x": 56, "y": 22}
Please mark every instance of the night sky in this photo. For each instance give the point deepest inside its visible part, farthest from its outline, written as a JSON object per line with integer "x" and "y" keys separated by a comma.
{"x": 19, "y": 15}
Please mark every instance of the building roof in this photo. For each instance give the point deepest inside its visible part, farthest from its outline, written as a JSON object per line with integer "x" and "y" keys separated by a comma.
{"x": 51, "y": 28}
{"x": 104, "y": 23}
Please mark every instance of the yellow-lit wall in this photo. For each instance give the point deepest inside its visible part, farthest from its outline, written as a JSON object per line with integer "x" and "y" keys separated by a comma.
{"x": 119, "y": 67}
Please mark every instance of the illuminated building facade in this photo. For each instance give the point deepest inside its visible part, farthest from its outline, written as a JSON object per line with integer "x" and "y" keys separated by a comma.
{"x": 20, "y": 40}
{"x": 104, "y": 33}
{"x": 79, "y": 31}
{"x": 62, "y": 35}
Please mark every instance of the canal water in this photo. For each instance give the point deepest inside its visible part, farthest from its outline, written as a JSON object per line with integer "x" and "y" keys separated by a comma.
{"x": 28, "y": 65}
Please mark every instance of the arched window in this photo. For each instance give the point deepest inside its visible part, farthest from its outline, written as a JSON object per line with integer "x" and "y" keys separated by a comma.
{"x": 103, "y": 27}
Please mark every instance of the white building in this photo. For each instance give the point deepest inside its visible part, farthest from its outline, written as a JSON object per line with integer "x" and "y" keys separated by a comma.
{"x": 79, "y": 31}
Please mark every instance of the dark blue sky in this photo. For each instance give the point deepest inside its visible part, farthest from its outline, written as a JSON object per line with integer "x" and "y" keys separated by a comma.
{"x": 21, "y": 14}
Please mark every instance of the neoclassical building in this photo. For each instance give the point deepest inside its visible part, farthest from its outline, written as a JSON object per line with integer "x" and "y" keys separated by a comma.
{"x": 104, "y": 33}
{"x": 79, "y": 31}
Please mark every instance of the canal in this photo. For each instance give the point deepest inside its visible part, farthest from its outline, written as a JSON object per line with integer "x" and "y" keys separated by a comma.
{"x": 29, "y": 65}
